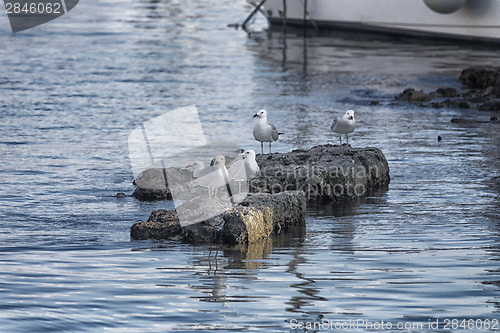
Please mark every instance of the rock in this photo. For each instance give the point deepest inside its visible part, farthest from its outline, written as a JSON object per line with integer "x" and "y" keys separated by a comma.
{"x": 324, "y": 172}
{"x": 447, "y": 92}
{"x": 480, "y": 77}
{"x": 152, "y": 184}
{"x": 257, "y": 217}
{"x": 413, "y": 96}
{"x": 461, "y": 121}
{"x": 120, "y": 195}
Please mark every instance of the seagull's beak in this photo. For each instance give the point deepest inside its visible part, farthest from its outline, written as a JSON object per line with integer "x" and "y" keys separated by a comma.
{"x": 350, "y": 118}
{"x": 255, "y": 115}
{"x": 189, "y": 166}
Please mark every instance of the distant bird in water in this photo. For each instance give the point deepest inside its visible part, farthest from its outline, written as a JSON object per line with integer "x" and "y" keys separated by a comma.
{"x": 264, "y": 131}
{"x": 344, "y": 125}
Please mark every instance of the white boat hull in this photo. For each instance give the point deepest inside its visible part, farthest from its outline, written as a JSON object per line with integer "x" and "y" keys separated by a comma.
{"x": 476, "y": 19}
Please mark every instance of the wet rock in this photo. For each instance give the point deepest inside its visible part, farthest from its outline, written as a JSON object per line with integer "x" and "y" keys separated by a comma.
{"x": 447, "y": 92}
{"x": 480, "y": 77}
{"x": 152, "y": 184}
{"x": 324, "y": 172}
{"x": 461, "y": 121}
{"x": 413, "y": 96}
{"x": 259, "y": 216}
{"x": 120, "y": 195}
{"x": 483, "y": 94}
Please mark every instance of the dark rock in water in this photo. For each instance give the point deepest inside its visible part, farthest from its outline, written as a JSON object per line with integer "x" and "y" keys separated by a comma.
{"x": 484, "y": 91}
{"x": 282, "y": 188}
{"x": 325, "y": 172}
{"x": 411, "y": 95}
{"x": 447, "y": 92}
{"x": 461, "y": 121}
{"x": 152, "y": 184}
{"x": 322, "y": 172}
{"x": 258, "y": 216}
{"x": 120, "y": 195}
{"x": 490, "y": 106}
{"x": 480, "y": 77}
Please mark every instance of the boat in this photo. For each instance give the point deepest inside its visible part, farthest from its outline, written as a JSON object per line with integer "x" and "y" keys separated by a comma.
{"x": 477, "y": 20}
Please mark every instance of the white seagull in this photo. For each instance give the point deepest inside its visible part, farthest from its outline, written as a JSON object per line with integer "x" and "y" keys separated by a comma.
{"x": 344, "y": 125}
{"x": 244, "y": 169}
{"x": 199, "y": 169}
{"x": 213, "y": 180}
{"x": 264, "y": 131}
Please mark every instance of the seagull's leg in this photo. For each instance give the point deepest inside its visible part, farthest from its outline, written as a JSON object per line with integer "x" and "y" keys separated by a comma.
{"x": 340, "y": 136}
{"x": 269, "y": 147}
{"x": 239, "y": 186}
{"x": 262, "y": 148}
{"x": 347, "y": 138}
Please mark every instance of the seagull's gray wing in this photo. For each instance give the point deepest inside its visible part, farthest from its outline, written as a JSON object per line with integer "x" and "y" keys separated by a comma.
{"x": 334, "y": 123}
{"x": 274, "y": 132}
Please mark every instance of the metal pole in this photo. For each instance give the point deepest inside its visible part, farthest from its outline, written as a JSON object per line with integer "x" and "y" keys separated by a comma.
{"x": 243, "y": 25}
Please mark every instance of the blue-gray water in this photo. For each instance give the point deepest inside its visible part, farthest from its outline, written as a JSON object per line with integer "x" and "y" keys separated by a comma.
{"x": 427, "y": 248}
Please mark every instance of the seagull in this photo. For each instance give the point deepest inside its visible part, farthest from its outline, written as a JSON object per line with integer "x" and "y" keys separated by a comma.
{"x": 199, "y": 169}
{"x": 215, "y": 179}
{"x": 264, "y": 131}
{"x": 344, "y": 125}
{"x": 244, "y": 169}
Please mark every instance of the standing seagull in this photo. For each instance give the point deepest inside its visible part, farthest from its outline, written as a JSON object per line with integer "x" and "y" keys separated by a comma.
{"x": 264, "y": 131}
{"x": 213, "y": 180}
{"x": 344, "y": 125}
{"x": 245, "y": 169}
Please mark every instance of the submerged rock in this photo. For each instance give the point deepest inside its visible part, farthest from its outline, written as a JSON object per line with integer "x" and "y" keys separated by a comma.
{"x": 258, "y": 216}
{"x": 483, "y": 83}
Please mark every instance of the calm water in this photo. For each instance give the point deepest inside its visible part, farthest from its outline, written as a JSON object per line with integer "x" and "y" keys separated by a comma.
{"x": 426, "y": 248}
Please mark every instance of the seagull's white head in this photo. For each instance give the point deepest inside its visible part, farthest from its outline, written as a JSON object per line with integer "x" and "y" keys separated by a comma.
{"x": 196, "y": 165}
{"x": 261, "y": 114}
{"x": 220, "y": 160}
{"x": 350, "y": 114}
{"x": 250, "y": 154}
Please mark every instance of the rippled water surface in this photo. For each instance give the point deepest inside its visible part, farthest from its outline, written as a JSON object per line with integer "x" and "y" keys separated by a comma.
{"x": 426, "y": 248}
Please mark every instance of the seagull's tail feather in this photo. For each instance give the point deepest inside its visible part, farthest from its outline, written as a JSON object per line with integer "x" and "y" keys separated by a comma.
{"x": 281, "y": 133}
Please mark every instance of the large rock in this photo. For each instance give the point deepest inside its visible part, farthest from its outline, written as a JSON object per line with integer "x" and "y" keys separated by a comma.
{"x": 324, "y": 172}
{"x": 259, "y": 216}
{"x": 480, "y": 77}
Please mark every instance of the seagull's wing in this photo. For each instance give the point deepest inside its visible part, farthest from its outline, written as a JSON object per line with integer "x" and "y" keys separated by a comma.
{"x": 274, "y": 132}
{"x": 237, "y": 170}
{"x": 335, "y": 120}
{"x": 205, "y": 171}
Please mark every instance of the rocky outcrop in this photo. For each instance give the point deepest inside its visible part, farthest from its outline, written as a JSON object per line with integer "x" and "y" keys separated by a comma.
{"x": 259, "y": 216}
{"x": 324, "y": 172}
{"x": 481, "y": 91}
{"x": 278, "y": 200}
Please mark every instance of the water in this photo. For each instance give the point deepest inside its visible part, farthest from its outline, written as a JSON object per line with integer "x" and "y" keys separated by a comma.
{"x": 426, "y": 248}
